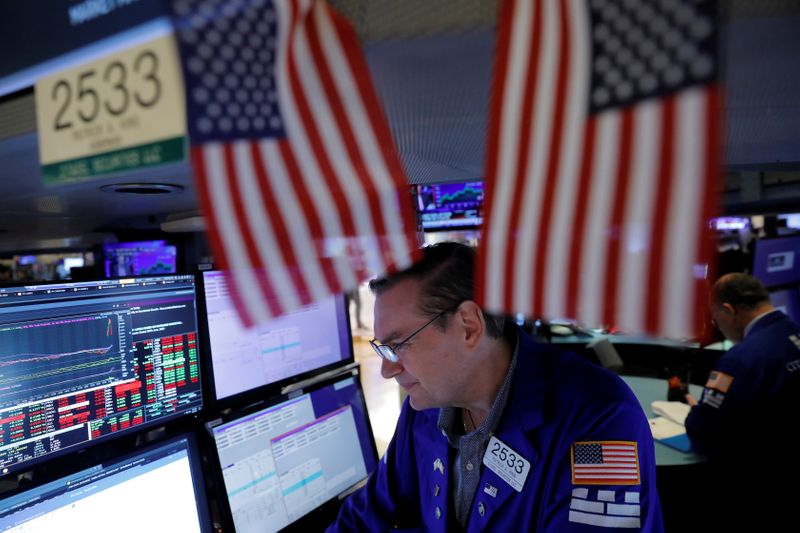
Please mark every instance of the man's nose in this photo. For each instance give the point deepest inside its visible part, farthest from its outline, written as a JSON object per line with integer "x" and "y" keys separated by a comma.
{"x": 389, "y": 369}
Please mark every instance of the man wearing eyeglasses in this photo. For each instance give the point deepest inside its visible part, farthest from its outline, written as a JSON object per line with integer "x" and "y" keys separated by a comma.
{"x": 499, "y": 432}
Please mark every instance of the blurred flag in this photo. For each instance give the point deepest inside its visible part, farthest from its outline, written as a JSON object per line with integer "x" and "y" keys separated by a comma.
{"x": 603, "y": 162}
{"x": 295, "y": 166}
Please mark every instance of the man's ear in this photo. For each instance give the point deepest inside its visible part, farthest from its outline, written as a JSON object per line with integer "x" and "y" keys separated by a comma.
{"x": 729, "y": 309}
{"x": 470, "y": 316}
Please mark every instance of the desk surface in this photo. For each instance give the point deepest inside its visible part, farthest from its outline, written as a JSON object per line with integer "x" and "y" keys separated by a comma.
{"x": 648, "y": 390}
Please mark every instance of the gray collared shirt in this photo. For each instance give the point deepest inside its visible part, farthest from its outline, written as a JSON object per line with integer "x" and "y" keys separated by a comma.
{"x": 468, "y": 463}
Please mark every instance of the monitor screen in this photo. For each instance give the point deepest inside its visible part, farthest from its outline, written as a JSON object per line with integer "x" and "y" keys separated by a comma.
{"x": 139, "y": 258}
{"x": 83, "y": 361}
{"x": 244, "y": 359}
{"x": 285, "y": 460}
{"x": 159, "y": 488}
{"x": 777, "y": 261}
{"x": 450, "y": 205}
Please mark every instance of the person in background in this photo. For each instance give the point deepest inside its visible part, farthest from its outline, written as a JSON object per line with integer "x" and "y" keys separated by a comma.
{"x": 746, "y": 419}
{"x": 498, "y": 432}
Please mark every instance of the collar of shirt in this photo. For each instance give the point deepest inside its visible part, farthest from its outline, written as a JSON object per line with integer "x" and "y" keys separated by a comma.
{"x": 756, "y": 319}
{"x": 450, "y": 421}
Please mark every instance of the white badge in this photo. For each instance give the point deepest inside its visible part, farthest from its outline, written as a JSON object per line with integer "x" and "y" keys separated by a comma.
{"x": 506, "y": 463}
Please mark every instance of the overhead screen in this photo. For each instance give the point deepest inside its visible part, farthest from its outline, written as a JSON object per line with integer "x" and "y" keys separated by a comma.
{"x": 447, "y": 206}
{"x": 139, "y": 258}
{"x": 286, "y": 459}
{"x": 777, "y": 261}
{"x": 156, "y": 489}
{"x": 83, "y": 361}
{"x": 244, "y": 359}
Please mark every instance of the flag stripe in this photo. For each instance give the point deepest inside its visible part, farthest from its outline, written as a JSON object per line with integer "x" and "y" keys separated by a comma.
{"x": 570, "y": 155}
{"x": 621, "y": 197}
{"x": 659, "y": 229}
{"x": 535, "y": 179}
{"x": 313, "y": 143}
{"x": 522, "y": 158}
{"x": 336, "y": 136}
{"x": 324, "y": 192}
{"x": 684, "y": 211}
{"x": 578, "y": 239}
{"x": 600, "y": 196}
{"x": 252, "y": 182}
{"x": 243, "y": 278}
{"x": 554, "y": 139}
{"x": 496, "y": 108}
{"x": 251, "y": 248}
{"x": 214, "y": 227}
{"x": 272, "y": 231}
{"x": 377, "y": 145}
{"x": 634, "y": 242}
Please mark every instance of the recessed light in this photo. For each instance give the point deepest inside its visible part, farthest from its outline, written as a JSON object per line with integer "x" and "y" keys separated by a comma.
{"x": 142, "y": 188}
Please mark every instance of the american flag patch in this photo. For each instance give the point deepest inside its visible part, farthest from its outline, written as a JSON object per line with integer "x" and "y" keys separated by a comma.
{"x": 719, "y": 381}
{"x": 605, "y": 462}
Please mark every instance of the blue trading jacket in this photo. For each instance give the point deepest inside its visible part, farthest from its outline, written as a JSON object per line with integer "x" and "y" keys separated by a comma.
{"x": 750, "y": 403}
{"x": 557, "y": 399}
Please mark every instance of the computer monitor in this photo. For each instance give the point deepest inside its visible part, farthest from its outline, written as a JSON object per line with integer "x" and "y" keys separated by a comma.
{"x": 139, "y": 258}
{"x": 447, "y": 206}
{"x": 777, "y": 261}
{"x": 291, "y": 457}
{"x": 83, "y": 361}
{"x": 159, "y": 488}
{"x": 285, "y": 349}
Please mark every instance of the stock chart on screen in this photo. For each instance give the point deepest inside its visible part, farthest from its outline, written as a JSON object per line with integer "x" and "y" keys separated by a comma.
{"x": 86, "y": 360}
{"x": 450, "y": 205}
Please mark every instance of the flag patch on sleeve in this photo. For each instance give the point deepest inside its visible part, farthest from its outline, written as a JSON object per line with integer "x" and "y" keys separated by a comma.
{"x": 719, "y": 381}
{"x": 605, "y": 462}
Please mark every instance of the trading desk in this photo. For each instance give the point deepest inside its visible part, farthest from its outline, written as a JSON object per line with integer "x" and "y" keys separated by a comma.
{"x": 648, "y": 390}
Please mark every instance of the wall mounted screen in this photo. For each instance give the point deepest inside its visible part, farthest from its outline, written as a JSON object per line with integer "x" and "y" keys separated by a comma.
{"x": 450, "y": 205}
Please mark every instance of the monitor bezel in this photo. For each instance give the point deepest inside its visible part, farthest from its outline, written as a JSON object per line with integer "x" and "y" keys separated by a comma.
{"x": 322, "y": 515}
{"x": 132, "y": 430}
{"x": 240, "y": 399}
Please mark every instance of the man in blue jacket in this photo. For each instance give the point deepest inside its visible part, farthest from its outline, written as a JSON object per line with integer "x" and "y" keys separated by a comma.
{"x": 748, "y": 415}
{"x": 499, "y": 433}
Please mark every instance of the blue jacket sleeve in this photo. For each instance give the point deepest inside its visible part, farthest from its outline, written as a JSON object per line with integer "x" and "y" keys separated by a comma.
{"x": 592, "y": 505}
{"x": 710, "y": 421}
{"x": 389, "y": 499}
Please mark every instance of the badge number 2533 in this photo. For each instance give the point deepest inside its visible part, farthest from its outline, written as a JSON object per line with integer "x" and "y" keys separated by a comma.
{"x": 506, "y": 463}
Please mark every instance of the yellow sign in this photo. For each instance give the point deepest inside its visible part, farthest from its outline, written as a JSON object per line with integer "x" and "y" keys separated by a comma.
{"x": 121, "y": 112}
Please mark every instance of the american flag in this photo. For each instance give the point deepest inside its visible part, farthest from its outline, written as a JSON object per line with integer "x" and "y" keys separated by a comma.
{"x": 603, "y": 162}
{"x": 605, "y": 463}
{"x": 295, "y": 166}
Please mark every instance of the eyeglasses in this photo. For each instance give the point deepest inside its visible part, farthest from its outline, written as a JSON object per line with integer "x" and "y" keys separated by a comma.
{"x": 389, "y": 351}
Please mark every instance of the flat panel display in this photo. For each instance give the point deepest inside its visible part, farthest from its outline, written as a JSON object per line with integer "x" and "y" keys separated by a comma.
{"x": 285, "y": 460}
{"x": 159, "y": 488}
{"x": 139, "y": 258}
{"x": 450, "y": 205}
{"x": 777, "y": 261}
{"x": 83, "y": 361}
{"x": 245, "y": 359}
